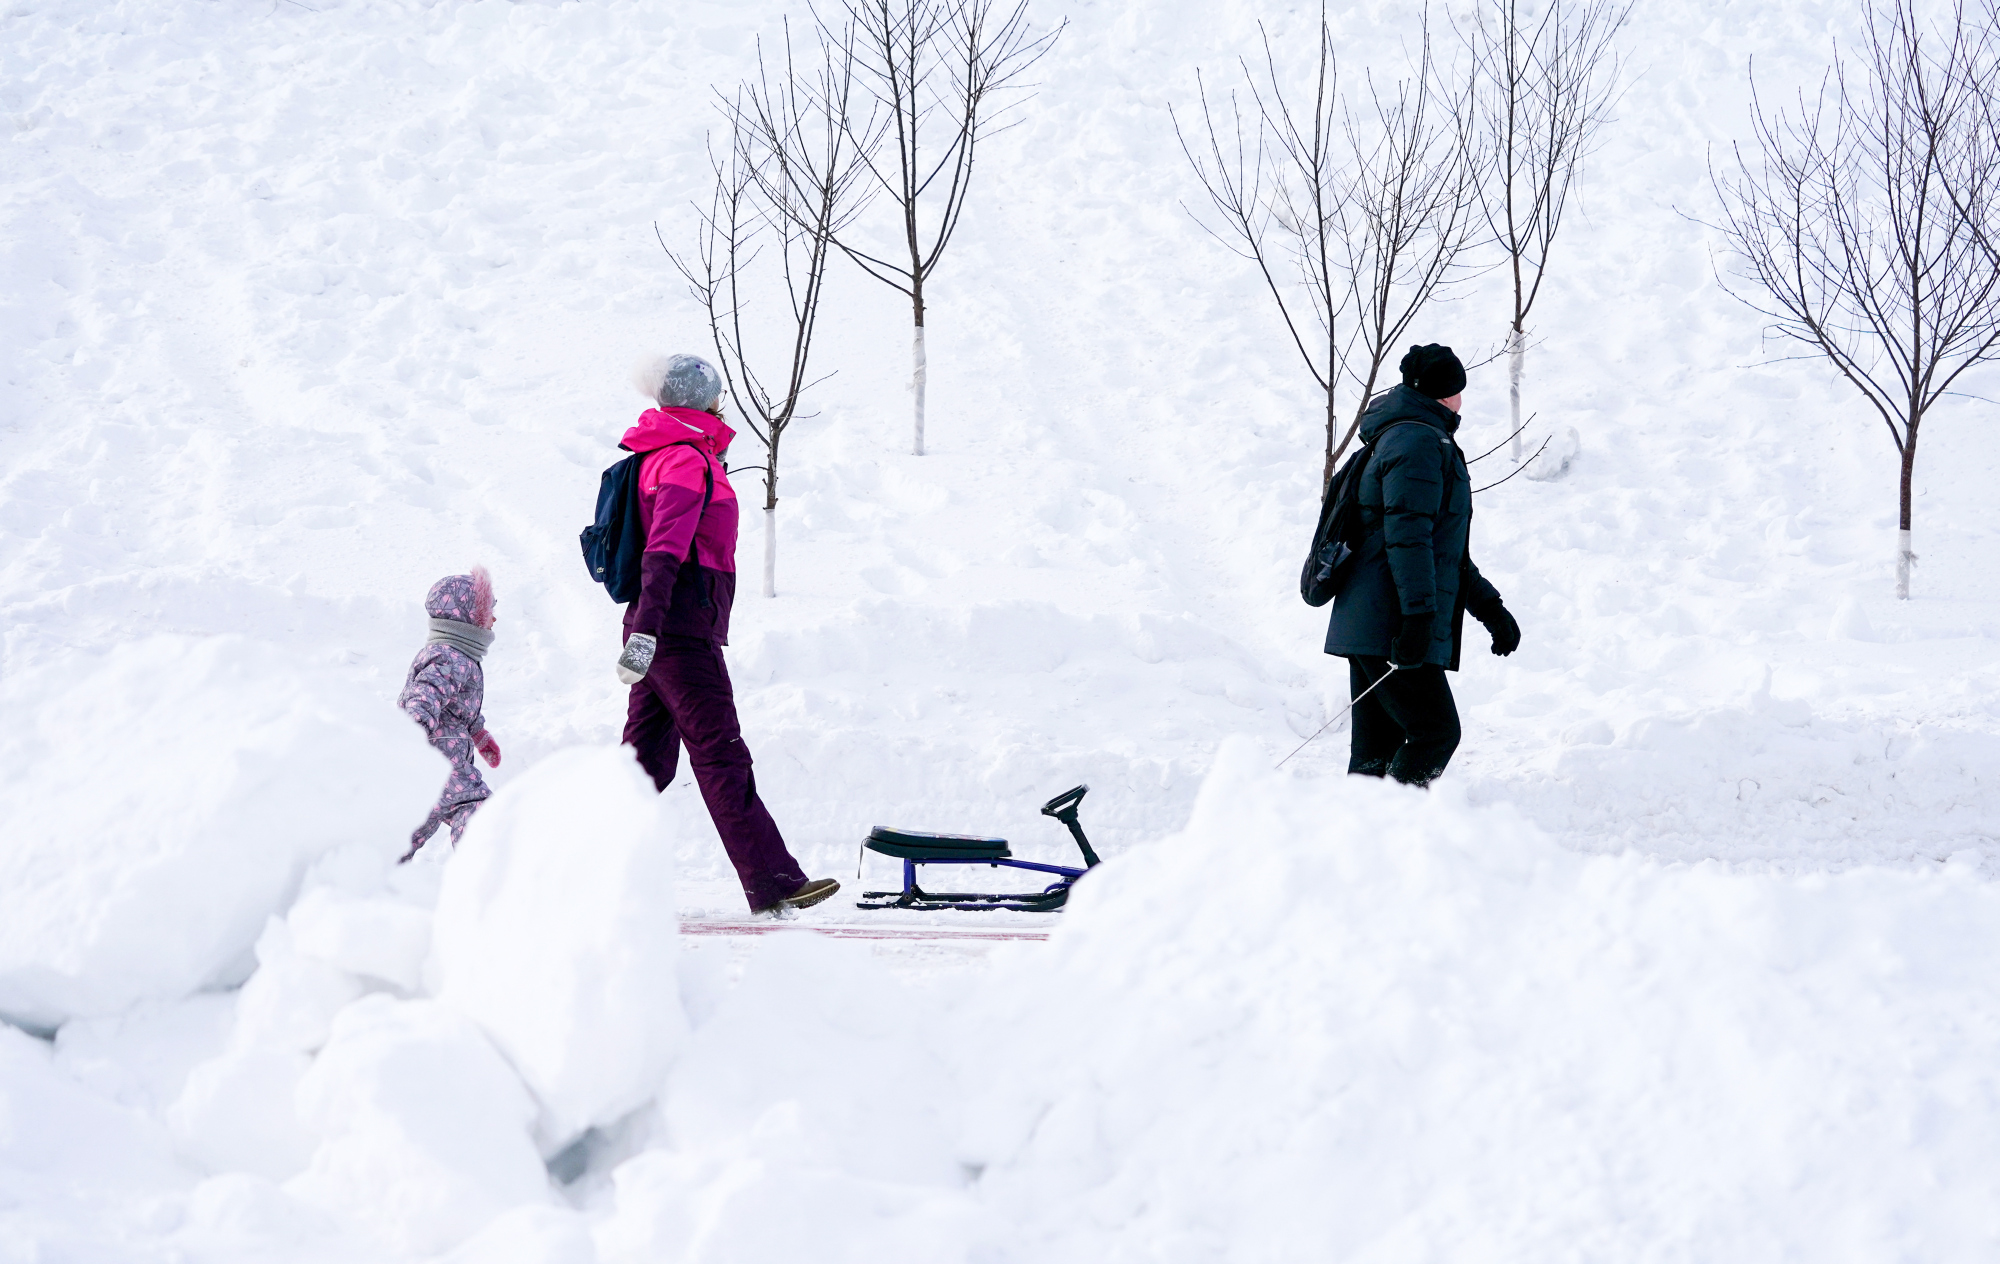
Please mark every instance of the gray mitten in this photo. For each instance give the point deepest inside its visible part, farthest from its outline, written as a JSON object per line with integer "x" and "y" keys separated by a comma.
{"x": 638, "y": 656}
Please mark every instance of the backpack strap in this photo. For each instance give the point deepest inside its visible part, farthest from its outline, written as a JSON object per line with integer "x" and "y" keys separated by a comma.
{"x": 707, "y": 478}
{"x": 707, "y": 465}
{"x": 1386, "y": 429}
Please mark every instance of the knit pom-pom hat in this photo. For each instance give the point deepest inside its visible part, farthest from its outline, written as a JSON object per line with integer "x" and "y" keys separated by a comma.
{"x": 681, "y": 381}
{"x": 462, "y": 598}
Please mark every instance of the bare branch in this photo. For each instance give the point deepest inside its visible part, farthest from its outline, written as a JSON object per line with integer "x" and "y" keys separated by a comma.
{"x": 1524, "y": 465}
{"x": 788, "y": 181}
{"x": 1354, "y": 220}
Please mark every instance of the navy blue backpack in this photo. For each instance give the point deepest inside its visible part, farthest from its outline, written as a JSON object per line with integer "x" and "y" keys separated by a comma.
{"x": 613, "y": 545}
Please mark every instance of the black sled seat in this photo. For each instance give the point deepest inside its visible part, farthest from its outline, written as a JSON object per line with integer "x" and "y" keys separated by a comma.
{"x": 916, "y": 848}
{"x": 917, "y": 845}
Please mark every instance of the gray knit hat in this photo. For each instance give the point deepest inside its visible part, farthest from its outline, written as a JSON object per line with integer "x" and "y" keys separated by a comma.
{"x": 681, "y": 381}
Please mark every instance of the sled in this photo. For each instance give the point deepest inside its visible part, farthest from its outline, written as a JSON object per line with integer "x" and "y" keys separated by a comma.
{"x": 916, "y": 849}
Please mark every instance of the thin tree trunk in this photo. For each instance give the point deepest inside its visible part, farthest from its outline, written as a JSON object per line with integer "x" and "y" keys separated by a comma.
{"x": 1905, "y": 558}
{"x": 1332, "y": 429}
{"x": 919, "y": 366}
{"x": 1517, "y": 350}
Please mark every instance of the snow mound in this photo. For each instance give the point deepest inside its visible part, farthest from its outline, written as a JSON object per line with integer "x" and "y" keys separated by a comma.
{"x": 423, "y": 1126}
{"x": 1793, "y": 783}
{"x": 860, "y": 1029}
{"x": 1348, "y": 1020}
{"x": 529, "y": 1235}
{"x": 163, "y": 800}
{"x": 555, "y": 932}
{"x": 809, "y": 1114}
{"x": 60, "y": 1142}
{"x": 376, "y": 938}
{"x": 238, "y": 1113}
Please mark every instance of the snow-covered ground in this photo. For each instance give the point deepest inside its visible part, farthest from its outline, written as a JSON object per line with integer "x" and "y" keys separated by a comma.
{"x": 304, "y": 305}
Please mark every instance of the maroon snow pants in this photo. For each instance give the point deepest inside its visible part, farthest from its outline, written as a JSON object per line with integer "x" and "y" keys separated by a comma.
{"x": 686, "y": 699}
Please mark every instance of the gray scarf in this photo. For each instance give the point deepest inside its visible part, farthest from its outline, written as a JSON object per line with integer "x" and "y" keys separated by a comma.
{"x": 467, "y": 638}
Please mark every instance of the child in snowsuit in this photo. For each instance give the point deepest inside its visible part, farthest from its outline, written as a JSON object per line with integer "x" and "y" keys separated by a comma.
{"x": 444, "y": 693}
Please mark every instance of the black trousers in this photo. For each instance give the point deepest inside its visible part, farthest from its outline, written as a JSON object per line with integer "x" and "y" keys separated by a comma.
{"x": 1407, "y": 728}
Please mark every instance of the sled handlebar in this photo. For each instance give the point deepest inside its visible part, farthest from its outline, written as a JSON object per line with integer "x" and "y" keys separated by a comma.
{"x": 1063, "y": 808}
{"x": 1066, "y": 802}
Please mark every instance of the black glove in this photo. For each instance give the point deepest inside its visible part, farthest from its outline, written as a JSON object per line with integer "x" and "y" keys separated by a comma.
{"x": 1506, "y": 633}
{"x": 1413, "y": 640}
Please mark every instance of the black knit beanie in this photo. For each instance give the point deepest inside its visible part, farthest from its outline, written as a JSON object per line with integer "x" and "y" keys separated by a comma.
{"x": 1433, "y": 370}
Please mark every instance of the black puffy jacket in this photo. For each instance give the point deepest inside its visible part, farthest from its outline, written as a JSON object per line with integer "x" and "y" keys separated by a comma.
{"x": 1416, "y": 514}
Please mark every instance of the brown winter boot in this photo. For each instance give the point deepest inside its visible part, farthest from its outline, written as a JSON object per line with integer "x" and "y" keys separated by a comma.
{"x": 810, "y": 894}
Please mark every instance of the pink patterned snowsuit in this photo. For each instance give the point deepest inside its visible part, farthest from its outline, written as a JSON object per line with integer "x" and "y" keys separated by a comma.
{"x": 444, "y": 692}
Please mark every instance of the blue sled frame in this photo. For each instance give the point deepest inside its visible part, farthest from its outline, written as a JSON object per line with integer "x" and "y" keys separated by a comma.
{"x": 915, "y": 849}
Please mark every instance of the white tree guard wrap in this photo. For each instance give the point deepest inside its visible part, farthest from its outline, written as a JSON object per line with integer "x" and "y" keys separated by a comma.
{"x": 918, "y": 374}
{"x": 1517, "y": 349}
{"x": 770, "y": 550}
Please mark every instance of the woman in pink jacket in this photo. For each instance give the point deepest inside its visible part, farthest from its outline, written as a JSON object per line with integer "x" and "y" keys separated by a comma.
{"x": 675, "y": 631}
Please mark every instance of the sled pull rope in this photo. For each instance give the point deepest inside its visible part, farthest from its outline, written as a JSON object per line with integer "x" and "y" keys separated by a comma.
{"x": 1393, "y": 669}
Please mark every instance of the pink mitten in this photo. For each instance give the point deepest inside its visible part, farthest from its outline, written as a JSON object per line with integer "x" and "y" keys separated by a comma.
{"x": 488, "y": 749}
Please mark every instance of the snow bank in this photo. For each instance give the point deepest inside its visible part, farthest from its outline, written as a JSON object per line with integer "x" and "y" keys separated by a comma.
{"x": 811, "y": 1114}
{"x": 555, "y": 932}
{"x": 1350, "y": 1020}
{"x": 809, "y": 1024}
{"x": 60, "y": 1142}
{"x": 1792, "y": 786}
{"x": 529, "y": 1235}
{"x": 237, "y": 1112}
{"x": 164, "y": 799}
{"x": 424, "y": 1126}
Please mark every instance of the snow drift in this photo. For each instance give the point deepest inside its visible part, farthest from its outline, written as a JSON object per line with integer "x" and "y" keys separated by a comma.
{"x": 424, "y": 1126}
{"x": 163, "y": 799}
{"x": 1349, "y": 1020}
{"x": 555, "y": 932}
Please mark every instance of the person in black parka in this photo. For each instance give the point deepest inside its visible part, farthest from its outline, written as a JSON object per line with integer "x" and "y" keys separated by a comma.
{"x": 1413, "y": 581}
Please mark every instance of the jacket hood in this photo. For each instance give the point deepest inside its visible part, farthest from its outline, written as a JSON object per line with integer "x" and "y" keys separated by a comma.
{"x": 658, "y": 427}
{"x": 1401, "y": 403}
{"x": 462, "y": 598}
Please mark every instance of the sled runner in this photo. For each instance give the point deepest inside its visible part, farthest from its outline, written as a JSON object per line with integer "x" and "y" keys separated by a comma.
{"x": 915, "y": 849}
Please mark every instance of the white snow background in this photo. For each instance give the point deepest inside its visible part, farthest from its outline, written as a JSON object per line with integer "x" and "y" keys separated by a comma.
{"x": 303, "y": 305}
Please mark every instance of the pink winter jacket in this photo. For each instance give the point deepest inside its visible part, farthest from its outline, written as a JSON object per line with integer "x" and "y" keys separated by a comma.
{"x": 687, "y": 578}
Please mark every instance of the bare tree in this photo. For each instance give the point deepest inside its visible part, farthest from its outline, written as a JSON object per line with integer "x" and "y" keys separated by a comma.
{"x": 936, "y": 69}
{"x": 1293, "y": 154}
{"x": 1546, "y": 85}
{"x": 1413, "y": 213}
{"x": 1355, "y": 218}
{"x": 1860, "y": 229}
{"x": 786, "y": 183}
